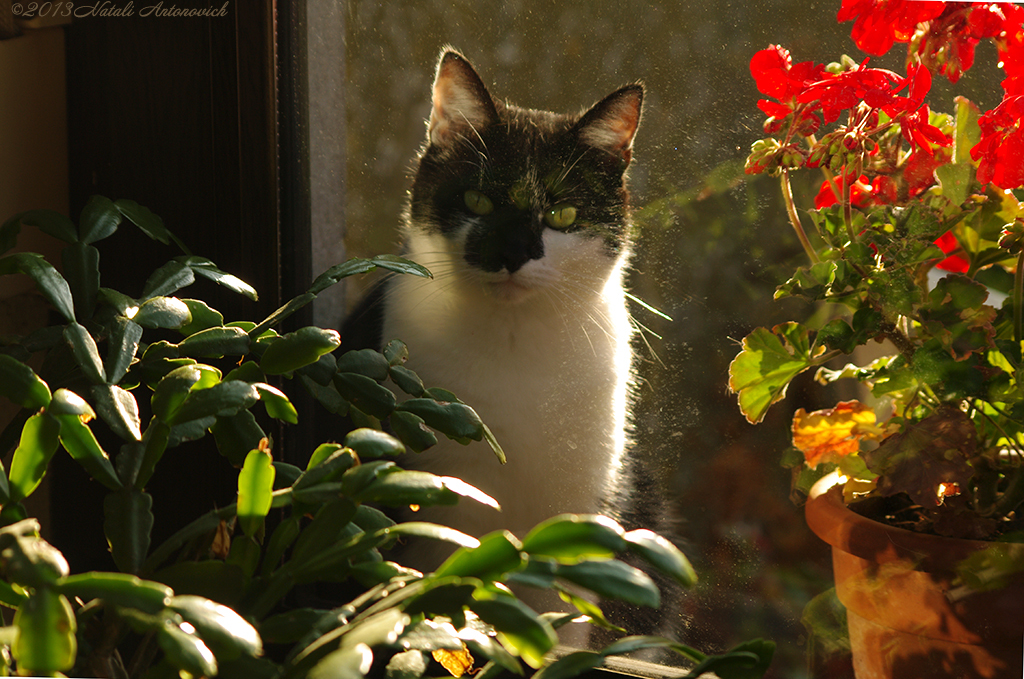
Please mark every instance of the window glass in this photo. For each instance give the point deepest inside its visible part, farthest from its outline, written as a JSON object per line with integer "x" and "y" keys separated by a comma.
{"x": 712, "y": 244}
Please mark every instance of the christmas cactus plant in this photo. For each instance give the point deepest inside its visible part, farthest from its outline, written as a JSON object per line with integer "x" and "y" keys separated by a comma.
{"x": 120, "y": 381}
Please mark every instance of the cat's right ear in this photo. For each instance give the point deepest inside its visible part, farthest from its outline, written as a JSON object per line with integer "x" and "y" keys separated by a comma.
{"x": 462, "y": 107}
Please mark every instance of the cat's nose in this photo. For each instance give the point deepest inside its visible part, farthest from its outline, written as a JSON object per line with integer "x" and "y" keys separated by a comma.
{"x": 506, "y": 247}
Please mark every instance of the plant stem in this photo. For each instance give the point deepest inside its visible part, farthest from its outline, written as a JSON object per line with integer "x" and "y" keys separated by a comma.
{"x": 1018, "y": 294}
{"x": 794, "y": 218}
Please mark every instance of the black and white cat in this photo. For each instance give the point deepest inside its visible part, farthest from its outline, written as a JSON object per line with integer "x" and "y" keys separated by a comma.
{"x": 523, "y": 218}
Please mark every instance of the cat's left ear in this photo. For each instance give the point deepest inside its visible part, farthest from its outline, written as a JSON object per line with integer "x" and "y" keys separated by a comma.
{"x": 611, "y": 124}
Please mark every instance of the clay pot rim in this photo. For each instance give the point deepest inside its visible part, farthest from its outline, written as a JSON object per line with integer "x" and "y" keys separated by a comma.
{"x": 831, "y": 520}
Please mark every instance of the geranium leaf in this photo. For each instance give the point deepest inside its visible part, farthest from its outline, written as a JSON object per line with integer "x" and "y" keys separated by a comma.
{"x": 768, "y": 362}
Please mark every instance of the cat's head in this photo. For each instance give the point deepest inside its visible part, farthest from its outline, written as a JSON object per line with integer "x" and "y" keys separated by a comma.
{"x": 507, "y": 189}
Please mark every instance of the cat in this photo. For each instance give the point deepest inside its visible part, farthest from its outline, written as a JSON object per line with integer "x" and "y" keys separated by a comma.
{"x": 523, "y": 218}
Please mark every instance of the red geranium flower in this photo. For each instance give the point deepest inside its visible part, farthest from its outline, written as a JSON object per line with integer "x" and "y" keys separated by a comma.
{"x": 919, "y": 171}
{"x": 955, "y": 263}
{"x": 879, "y": 23}
{"x": 863, "y": 193}
{"x": 1010, "y": 42}
{"x": 1001, "y": 147}
{"x": 946, "y": 43}
{"x": 777, "y": 76}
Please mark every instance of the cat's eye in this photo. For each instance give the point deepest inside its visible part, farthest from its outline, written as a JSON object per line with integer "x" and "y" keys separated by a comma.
{"x": 478, "y": 202}
{"x": 560, "y": 216}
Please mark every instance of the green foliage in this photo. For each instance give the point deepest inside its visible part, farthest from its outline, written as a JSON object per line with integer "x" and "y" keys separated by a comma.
{"x": 158, "y": 372}
{"x": 912, "y": 261}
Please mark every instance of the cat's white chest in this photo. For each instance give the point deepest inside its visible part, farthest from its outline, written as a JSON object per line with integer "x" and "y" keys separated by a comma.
{"x": 548, "y": 373}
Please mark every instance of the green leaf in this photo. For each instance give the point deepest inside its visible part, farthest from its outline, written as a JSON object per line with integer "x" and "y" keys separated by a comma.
{"x": 207, "y": 269}
{"x": 127, "y": 523}
{"x": 498, "y": 553}
{"x": 119, "y": 410}
{"x": 396, "y": 352}
{"x": 186, "y": 651}
{"x": 358, "y": 266}
{"x": 298, "y": 349}
{"x": 329, "y": 525}
{"x": 749, "y": 660}
{"x": 406, "y": 380}
{"x": 365, "y": 362}
{"x": 86, "y": 354}
{"x": 20, "y": 384}
{"x": 613, "y": 580}
{"x": 224, "y": 631}
{"x": 222, "y": 400}
{"x": 30, "y": 561}
{"x": 434, "y": 531}
{"x": 955, "y": 181}
{"x": 967, "y": 133}
{"x": 120, "y": 589}
{"x": 172, "y": 390}
{"x": 168, "y": 279}
{"x": 78, "y": 439}
{"x": 453, "y": 419}
{"x": 571, "y": 665}
{"x": 33, "y": 454}
{"x": 203, "y": 317}
{"x": 365, "y": 393}
{"x": 49, "y": 282}
{"x": 163, "y": 312}
{"x": 372, "y": 443}
{"x": 149, "y": 223}
{"x": 322, "y": 371}
{"x": 255, "y": 487}
{"x": 530, "y": 636}
{"x": 237, "y": 434}
{"x": 46, "y": 641}
{"x": 99, "y": 219}
{"x": 277, "y": 404}
{"x": 662, "y": 554}
{"x": 770, "y": 359}
{"x": 398, "y": 488}
{"x": 122, "y": 346}
{"x": 47, "y": 221}
{"x": 412, "y": 431}
{"x": 348, "y": 662}
{"x": 215, "y": 343}
{"x": 576, "y": 536}
{"x": 81, "y": 265}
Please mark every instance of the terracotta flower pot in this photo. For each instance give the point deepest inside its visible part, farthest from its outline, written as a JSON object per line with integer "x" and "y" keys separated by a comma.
{"x": 908, "y": 614}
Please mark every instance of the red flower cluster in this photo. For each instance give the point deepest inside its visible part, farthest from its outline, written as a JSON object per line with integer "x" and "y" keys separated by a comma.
{"x": 1001, "y": 150}
{"x": 777, "y": 76}
{"x": 879, "y": 23}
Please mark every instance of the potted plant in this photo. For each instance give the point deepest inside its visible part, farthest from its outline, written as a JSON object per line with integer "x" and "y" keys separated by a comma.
{"x": 916, "y": 269}
{"x": 124, "y": 380}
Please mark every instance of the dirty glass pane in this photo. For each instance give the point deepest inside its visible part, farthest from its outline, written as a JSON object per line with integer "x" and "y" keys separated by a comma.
{"x": 712, "y": 243}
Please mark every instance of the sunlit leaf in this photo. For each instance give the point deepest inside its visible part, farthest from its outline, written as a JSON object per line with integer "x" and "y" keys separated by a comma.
{"x": 33, "y": 454}
{"x": 226, "y": 632}
{"x": 770, "y": 359}
{"x": 255, "y": 486}
{"x": 297, "y": 349}
{"x": 46, "y": 641}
